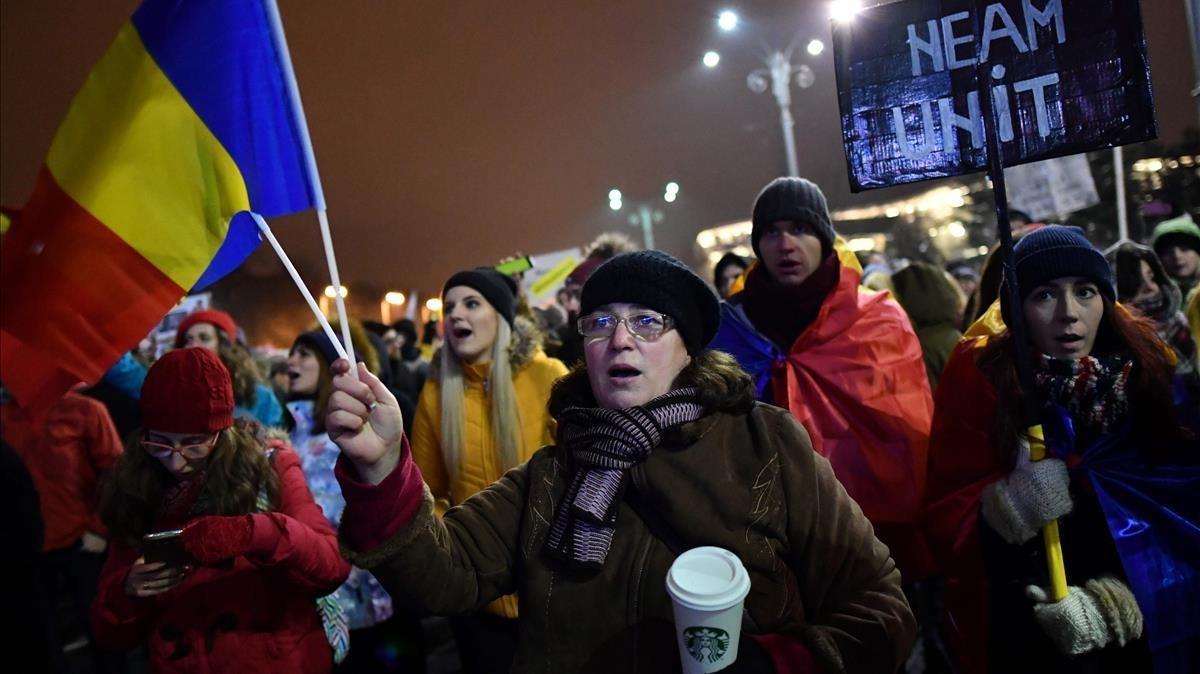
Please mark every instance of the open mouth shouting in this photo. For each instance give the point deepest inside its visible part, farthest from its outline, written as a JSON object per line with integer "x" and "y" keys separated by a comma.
{"x": 623, "y": 375}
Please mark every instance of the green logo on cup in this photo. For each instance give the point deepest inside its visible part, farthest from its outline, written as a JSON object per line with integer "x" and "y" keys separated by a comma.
{"x": 706, "y": 643}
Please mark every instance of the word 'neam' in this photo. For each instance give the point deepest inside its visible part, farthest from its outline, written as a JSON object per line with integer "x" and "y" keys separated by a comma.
{"x": 940, "y": 48}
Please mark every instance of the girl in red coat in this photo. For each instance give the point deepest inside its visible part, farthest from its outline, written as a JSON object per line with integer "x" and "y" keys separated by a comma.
{"x": 258, "y": 551}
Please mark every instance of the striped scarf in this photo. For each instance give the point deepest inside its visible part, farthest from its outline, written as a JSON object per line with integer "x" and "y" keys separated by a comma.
{"x": 1091, "y": 389}
{"x": 605, "y": 444}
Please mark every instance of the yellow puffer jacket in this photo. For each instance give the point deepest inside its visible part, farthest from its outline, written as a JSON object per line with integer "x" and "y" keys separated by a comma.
{"x": 534, "y": 374}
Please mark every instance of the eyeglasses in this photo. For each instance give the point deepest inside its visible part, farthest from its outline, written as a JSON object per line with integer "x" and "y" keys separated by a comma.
{"x": 161, "y": 450}
{"x": 644, "y": 325}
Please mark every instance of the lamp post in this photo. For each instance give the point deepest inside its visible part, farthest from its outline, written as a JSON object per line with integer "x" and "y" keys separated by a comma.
{"x": 778, "y": 72}
{"x": 644, "y": 214}
{"x": 778, "y": 75}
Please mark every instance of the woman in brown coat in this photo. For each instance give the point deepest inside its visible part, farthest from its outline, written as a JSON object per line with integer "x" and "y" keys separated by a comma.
{"x": 682, "y": 457}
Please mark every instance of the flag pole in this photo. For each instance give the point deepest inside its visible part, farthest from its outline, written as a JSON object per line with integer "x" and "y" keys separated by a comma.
{"x": 314, "y": 176}
{"x": 1055, "y": 567}
{"x": 1118, "y": 154}
{"x": 312, "y": 303}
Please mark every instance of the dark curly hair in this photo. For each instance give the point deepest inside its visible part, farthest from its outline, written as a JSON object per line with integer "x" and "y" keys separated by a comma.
{"x": 236, "y": 471}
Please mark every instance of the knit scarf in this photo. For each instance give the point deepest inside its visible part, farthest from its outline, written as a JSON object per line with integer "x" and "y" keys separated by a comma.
{"x": 782, "y": 312}
{"x": 1092, "y": 390}
{"x": 605, "y": 444}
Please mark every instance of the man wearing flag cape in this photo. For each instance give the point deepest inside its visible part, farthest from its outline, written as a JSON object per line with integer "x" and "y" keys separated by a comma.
{"x": 844, "y": 360}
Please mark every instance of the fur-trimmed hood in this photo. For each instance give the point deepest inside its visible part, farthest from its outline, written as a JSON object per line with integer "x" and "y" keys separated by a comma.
{"x": 525, "y": 346}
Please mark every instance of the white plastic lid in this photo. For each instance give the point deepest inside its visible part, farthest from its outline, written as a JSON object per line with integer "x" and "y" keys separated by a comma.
{"x": 708, "y": 579}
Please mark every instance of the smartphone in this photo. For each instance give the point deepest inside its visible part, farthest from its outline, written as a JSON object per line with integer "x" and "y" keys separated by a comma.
{"x": 515, "y": 266}
{"x": 166, "y": 547}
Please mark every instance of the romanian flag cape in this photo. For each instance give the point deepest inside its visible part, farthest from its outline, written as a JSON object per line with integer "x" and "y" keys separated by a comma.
{"x": 189, "y": 121}
{"x": 1151, "y": 510}
{"x": 856, "y": 380}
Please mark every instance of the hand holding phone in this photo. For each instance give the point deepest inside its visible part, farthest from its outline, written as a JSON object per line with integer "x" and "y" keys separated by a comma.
{"x": 165, "y": 547}
{"x": 147, "y": 579}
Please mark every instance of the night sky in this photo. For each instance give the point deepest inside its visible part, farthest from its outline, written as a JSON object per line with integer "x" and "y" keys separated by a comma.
{"x": 451, "y": 134}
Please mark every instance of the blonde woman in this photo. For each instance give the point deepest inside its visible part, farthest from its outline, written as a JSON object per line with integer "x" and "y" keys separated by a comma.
{"x": 481, "y": 412}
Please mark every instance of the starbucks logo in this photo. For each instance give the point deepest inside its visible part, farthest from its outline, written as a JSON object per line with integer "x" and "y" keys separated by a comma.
{"x": 706, "y": 643}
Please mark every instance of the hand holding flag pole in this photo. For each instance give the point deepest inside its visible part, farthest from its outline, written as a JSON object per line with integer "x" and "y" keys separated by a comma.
{"x": 1016, "y": 324}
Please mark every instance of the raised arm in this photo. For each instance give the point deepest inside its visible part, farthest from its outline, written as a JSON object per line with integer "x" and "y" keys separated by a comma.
{"x": 439, "y": 565}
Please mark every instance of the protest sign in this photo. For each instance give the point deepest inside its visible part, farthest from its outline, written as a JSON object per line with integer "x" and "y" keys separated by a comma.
{"x": 1065, "y": 77}
{"x": 1050, "y": 188}
{"x": 548, "y": 273}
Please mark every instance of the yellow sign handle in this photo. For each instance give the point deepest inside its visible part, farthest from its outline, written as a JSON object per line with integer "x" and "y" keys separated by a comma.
{"x": 1054, "y": 556}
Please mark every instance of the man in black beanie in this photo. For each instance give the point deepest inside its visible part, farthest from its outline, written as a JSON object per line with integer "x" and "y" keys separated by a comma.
{"x": 845, "y": 361}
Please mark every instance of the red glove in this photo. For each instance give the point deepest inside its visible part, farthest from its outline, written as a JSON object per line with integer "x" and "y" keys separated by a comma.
{"x": 216, "y": 538}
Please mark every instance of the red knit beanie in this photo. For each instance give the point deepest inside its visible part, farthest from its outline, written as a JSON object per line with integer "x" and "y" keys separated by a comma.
{"x": 222, "y": 320}
{"x": 188, "y": 391}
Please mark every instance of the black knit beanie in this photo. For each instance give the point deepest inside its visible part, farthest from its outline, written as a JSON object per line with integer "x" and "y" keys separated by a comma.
{"x": 498, "y": 289}
{"x": 1056, "y": 251}
{"x": 793, "y": 199}
{"x": 320, "y": 342}
{"x": 660, "y": 282}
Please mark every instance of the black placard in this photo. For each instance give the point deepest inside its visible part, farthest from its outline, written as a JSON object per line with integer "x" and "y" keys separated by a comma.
{"x": 1068, "y": 76}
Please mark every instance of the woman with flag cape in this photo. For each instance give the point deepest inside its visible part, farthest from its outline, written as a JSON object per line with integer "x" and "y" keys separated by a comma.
{"x": 1122, "y": 478}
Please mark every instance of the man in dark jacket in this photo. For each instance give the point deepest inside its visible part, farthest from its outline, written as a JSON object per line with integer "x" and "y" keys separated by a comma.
{"x": 842, "y": 359}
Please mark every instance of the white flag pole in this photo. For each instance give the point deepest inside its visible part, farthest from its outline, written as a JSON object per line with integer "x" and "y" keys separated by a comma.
{"x": 314, "y": 176}
{"x": 312, "y": 303}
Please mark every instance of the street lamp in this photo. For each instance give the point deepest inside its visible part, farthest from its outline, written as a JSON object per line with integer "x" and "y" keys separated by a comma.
{"x": 842, "y": 11}
{"x": 328, "y": 294}
{"x": 390, "y": 299}
{"x": 727, "y": 20}
{"x": 711, "y": 59}
{"x": 644, "y": 214}
{"x": 778, "y": 76}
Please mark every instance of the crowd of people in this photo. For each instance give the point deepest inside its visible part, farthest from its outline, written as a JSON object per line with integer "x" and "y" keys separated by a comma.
{"x": 854, "y": 429}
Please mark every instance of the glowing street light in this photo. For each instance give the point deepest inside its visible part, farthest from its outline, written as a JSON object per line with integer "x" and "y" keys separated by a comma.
{"x": 390, "y": 299}
{"x": 842, "y": 11}
{"x": 614, "y": 199}
{"x": 727, "y": 20}
{"x": 434, "y": 304}
{"x": 645, "y": 214}
{"x": 711, "y": 59}
{"x": 329, "y": 292}
{"x": 778, "y": 75}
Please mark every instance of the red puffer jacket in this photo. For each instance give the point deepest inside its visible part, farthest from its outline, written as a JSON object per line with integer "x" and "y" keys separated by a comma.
{"x": 254, "y": 615}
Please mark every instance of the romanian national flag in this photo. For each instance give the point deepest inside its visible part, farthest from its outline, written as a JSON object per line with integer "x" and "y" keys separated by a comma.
{"x": 189, "y": 120}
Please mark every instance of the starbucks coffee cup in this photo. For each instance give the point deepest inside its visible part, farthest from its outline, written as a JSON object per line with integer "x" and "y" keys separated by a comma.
{"x": 707, "y": 587}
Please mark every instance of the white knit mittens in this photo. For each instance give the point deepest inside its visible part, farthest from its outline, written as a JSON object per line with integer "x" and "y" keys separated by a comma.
{"x": 1034, "y": 493}
{"x": 1103, "y": 611}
